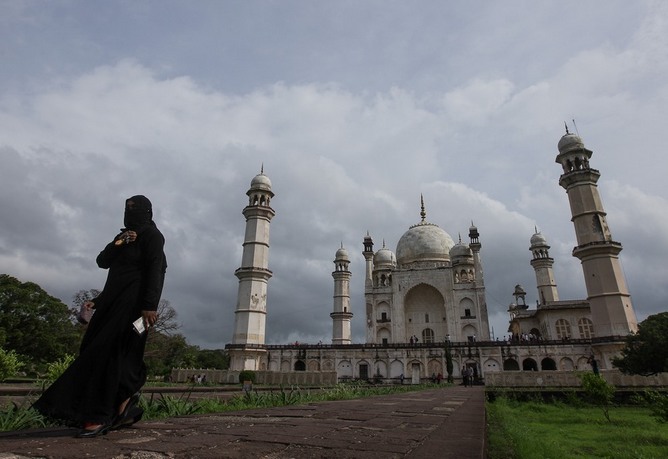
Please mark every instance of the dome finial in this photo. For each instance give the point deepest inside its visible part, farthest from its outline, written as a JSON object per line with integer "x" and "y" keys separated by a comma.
{"x": 262, "y": 168}
{"x": 423, "y": 214}
{"x": 566, "y": 126}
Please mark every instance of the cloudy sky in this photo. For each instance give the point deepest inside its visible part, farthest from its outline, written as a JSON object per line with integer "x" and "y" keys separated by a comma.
{"x": 355, "y": 108}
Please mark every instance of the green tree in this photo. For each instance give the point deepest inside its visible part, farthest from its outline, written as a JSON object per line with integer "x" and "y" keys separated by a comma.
{"x": 34, "y": 324}
{"x": 646, "y": 351}
{"x": 448, "y": 362}
{"x": 213, "y": 358}
{"x": 598, "y": 391}
{"x": 164, "y": 352}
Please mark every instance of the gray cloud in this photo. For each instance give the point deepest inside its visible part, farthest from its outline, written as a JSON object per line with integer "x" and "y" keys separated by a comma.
{"x": 353, "y": 120}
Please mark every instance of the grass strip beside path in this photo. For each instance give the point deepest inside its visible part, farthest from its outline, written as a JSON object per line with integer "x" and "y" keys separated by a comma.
{"x": 527, "y": 430}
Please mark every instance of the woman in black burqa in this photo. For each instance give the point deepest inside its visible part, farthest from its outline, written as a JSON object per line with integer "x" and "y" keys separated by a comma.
{"x": 100, "y": 390}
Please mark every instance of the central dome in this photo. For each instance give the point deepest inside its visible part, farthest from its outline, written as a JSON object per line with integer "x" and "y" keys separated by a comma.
{"x": 424, "y": 242}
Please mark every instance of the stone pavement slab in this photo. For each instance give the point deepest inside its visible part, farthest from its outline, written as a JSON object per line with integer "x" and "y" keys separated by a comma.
{"x": 446, "y": 422}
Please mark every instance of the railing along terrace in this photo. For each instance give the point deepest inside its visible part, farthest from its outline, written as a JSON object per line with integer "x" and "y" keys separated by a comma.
{"x": 440, "y": 344}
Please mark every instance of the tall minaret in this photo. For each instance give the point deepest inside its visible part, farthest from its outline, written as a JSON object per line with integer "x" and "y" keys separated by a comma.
{"x": 479, "y": 284}
{"x": 251, "y": 310}
{"x": 368, "y": 287}
{"x": 611, "y": 307}
{"x": 542, "y": 265}
{"x": 342, "y": 314}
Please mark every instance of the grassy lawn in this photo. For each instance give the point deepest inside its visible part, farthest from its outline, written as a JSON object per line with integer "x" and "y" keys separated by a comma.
{"x": 523, "y": 430}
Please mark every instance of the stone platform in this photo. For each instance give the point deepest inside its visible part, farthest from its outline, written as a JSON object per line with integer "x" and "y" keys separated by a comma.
{"x": 446, "y": 422}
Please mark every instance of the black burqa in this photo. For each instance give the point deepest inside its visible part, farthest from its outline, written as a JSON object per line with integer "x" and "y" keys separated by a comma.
{"x": 110, "y": 366}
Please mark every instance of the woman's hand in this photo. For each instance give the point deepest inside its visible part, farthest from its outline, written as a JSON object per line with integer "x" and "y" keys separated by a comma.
{"x": 125, "y": 238}
{"x": 150, "y": 317}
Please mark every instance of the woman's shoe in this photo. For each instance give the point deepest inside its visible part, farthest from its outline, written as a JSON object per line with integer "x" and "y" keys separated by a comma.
{"x": 134, "y": 415}
{"x": 87, "y": 432}
{"x": 129, "y": 412}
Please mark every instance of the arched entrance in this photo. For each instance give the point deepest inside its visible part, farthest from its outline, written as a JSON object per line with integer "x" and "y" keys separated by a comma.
{"x": 547, "y": 364}
{"x": 529, "y": 365}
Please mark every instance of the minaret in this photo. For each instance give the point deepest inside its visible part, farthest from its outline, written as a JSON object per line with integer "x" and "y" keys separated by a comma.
{"x": 481, "y": 300}
{"x": 368, "y": 287}
{"x": 368, "y": 257}
{"x": 542, "y": 265}
{"x": 610, "y": 302}
{"x": 342, "y": 314}
{"x": 475, "y": 245}
{"x": 251, "y": 309}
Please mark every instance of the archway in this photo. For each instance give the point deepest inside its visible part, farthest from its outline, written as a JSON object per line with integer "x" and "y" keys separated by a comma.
{"x": 511, "y": 365}
{"x": 434, "y": 367}
{"x": 396, "y": 369}
{"x": 383, "y": 336}
{"x": 491, "y": 365}
{"x": 567, "y": 364}
{"x": 547, "y": 364}
{"x": 300, "y": 365}
{"x": 424, "y": 307}
{"x": 344, "y": 369}
{"x": 529, "y": 365}
{"x": 380, "y": 369}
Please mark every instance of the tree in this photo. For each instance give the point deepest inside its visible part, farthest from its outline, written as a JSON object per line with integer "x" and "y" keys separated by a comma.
{"x": 646, "y": 351}
{"x": 34, "y": 324}
{"x": 598, "y": 391}
{"x": 166, "y": 323}
{"x": 213, "y": 358}
{"x": 448, "y": 362}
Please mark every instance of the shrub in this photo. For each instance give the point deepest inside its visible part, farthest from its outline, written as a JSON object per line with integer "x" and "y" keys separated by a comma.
{"x": 10, "y": 364}
{"x": 55, "y": 369}
{"x": 598, "y": 391}
{"x": 657, "y": 403}
{"x": 17, "y": 417}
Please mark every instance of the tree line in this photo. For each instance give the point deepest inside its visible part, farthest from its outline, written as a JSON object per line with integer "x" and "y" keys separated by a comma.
{"x": 37, "y": 329}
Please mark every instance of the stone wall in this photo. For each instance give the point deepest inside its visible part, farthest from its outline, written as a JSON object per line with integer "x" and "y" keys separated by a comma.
{"x": 538, "y": 379}
{"x": 274, "y": 378}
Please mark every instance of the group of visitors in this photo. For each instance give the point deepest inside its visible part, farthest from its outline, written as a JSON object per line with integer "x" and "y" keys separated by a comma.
{"x": 468, "y": 375}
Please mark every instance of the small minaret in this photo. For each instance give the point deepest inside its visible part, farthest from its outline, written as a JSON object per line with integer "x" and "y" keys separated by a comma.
{"x": 542, "y": 265}
{"x": 368, "y": 257}
{"x": 341, "y": 314}
{"x": 609, "y": 299}
{"x": 475, "y": 245}
{"x": 251, "y": 310}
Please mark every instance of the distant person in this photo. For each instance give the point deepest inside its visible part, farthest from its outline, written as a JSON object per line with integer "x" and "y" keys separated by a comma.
{"x": 100, "y": 390}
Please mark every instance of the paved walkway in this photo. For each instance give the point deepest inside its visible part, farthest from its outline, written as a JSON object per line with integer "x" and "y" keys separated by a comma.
{"x": 436, "y": 423}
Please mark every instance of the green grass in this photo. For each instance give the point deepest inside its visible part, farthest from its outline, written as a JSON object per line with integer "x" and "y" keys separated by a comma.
{"x": 527, "y": 430}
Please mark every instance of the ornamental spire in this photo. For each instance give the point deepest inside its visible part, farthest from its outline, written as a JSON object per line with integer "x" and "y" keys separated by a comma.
{"x": 423, "y": 214}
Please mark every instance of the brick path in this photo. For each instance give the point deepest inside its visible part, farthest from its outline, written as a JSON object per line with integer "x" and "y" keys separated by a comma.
{"x": 435, "y": 423}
